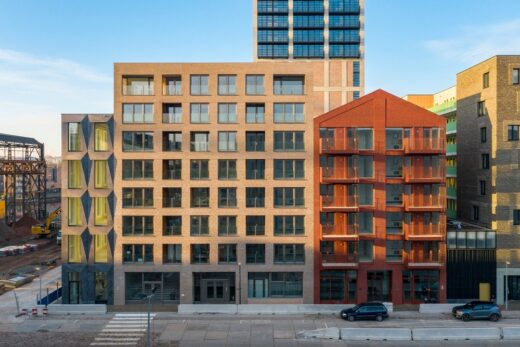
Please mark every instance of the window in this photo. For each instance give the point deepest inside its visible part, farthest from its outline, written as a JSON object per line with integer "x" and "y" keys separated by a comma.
{"x": 255, "y": 197}
{"x": 172, "y": 254}
{"x": 255, "y": 169}
{"x": 394, "y": 250}
{"x": 138, "y": 85}
{"x": 227, "y": 197}
{"x": 366, "y": 250}
{"x": 227, "y": 169}
{"x": 75, "y": 211}
{"x": 134, "y": 141}
{"x": 227, "y": 253}
{"x": 227, "y": 225}
{"x": 227, "y": 113}
{"x": 172, "y": 113}
{"x": 366, "y": 196}
{"x": 255, "y": 141}
{"x": 275, "y": 284}
{"x": 255, "y": 113}
{"x": 289, "y": 197}
{"x": 199, "y": 113}
{"x": 394, "y": 166}
{"x": 100, "y": 137}
{"x": 172, "y": 169}
{"x": 273, "y": 51}
{"x": 364, "y": 138}
{"x": 199, "y": 141}
{"x": 172, "y": 141}
{"x": 200, "y": 253}
{"x": 512, "y": 132}
{"x": 137, "y": 197}
{"x": 138, "y": 254}
{"x": 485, "y": 160}
{"x": 172, "y": 85}
{"x": 289, "y": 225}
{"x": 394, "y": 222}
{"x": 288, "y": 85}
{"x": 254, "y": 84}
{"x": 137, "y": 225}
{"x": 288, "y": 141}
{"x": 199, "y": 169}
{"x": 394, "y": 194}
{"x": 355, "y": 94}
{"x": 199, "y": 85}
{"x": 74, "y": 248}
{"x": 475, "y": 212}
{"x": 485, "y": 80}
{"x": 199, "y": 197}
{"x": 394, "y": 138}
{"x": 227, "y": 141}
{"x": 355, "y": 74}
{"x": 100, "y": 248}
{"x": 255, "y": 253}
{"x": 137, "y": 113}
{"x": 100, "y": 174}
{"x": 137, "y": 169}
{"x": 227, "y": 85}
{"x": 172, "y": 197}
{"x": 255, "y": 225}
{"x": 482, "y": 187}
{"x": 481, "y": 108}
{"x": 74, "y": 137}
{"x": 199, "y": 225}
{"x": 100, "y": 211}
{"x": 75, "y": 174}
{"x": 289, "y": 254}
{"x": 516, "y": 217}
{"x": 288, "y": 113}
{"x": 483, "y": 135}
{"x": 172, "y": 225}
{"x": 289, "y": 169}
{"x": 516, "y": 76}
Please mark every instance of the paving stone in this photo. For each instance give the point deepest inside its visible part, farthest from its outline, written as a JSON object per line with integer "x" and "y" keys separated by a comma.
{"x": 216, "y": 335}
{"x": 193, "y": 335}
{"x": 283, "y": 334}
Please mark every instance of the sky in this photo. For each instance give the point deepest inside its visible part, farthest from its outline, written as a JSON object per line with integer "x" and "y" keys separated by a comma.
{"x": 56, "y": 56}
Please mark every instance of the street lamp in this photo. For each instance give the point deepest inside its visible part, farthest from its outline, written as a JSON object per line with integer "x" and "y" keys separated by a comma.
{"x": 507, "y": 286}
{"x": 39, "y": 269}
{"x": 149, "y": 298}
{"x": 239, "y": 283}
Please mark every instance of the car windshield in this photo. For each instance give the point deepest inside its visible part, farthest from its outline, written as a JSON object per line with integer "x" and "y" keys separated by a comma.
{"x": 355, "y": 307}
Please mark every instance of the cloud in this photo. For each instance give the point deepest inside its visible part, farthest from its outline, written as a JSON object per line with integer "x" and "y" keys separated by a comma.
{"x": 35, "y": 91}
{"x": 476, "y": 43}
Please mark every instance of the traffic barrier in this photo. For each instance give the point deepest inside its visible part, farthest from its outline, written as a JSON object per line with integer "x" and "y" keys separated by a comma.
{"x": 24, "y": 312}
{"x": 45, "y": 311}
{"x": 441, "y": 334}
{"x": 34, "y": 312}
{"x": 436, "y": 308}
{"x": 379, "y": 334}
{"x": 326, "y": 334}
{"x": 511, "y": 333}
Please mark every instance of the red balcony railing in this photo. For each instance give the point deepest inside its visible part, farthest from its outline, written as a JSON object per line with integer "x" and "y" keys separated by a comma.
{"x": 417, "y": 201}
{"x": 425, "y": 255}
{"x": 417, "y": 172}
{"x": 341, "y": 174}
{"x": 425, "y": 144}
{"x": 341, "y": 230}
{"x": 340, "y": 143}
{"x": 344, "y": 259}
{"x": 421, "y": 231}
{"x": 340, "y": 202}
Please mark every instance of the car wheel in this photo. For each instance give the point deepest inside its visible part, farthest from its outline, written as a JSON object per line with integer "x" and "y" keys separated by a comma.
{"x": 379, "y": 318}
{"x": 351, "y": 318}
{"x": 466, "y": 317}
{"x": 494, "y": 317}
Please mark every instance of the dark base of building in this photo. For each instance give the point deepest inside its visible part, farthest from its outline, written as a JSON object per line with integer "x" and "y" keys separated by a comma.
{"x": 87, "y": 284}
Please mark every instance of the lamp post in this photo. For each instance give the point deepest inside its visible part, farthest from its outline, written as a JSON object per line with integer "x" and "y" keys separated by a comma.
{"x": 143, "y": 296}
{"x": 507, "y": 286}
{"x": 239, "y": 283}
{"x": 39, "y": 269}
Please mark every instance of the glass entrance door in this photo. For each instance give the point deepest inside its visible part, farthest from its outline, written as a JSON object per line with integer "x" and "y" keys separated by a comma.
{"x": 101, "y": 279}
{"x": 215, "y": 291}
{"x": 379, "y": 285}
{"x": 73, "y": 292}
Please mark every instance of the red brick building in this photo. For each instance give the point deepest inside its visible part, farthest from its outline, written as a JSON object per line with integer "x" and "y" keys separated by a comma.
{"x": 380, "y": 201}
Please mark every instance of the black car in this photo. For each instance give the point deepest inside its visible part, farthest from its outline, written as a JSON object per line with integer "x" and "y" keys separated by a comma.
{"x": 369, "y": 310}
{"x": 469, "y": 305}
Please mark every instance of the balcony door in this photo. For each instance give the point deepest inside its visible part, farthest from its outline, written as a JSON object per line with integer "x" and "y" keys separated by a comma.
{"x": 379, "y": 286}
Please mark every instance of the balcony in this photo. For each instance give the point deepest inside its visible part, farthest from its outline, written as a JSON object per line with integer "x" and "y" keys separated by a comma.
{"x": 425, "y": 145}
{"x": 417, "y": 173}
{"x": 339, "y": 231}
{"x": 419, "y": 202}
{"x": 339, "y": 203}
{"x": 451, "y": 149}
{"x": 339, "y": 174}
{"x": 142, "y": 85}
{"x": 417, "y": 231}
{"x": 452, "y": 192}
{"x": 425, "y": 257}
{"x": 445, "y": 107}
{"x": 451, "y": 171}
{"x": 339, "y": 145}
{"x": 339, "y": 259}
{"x": 451, "y": 127}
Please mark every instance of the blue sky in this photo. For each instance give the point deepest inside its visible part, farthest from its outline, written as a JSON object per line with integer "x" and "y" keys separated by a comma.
{"x": 56, "y": 56}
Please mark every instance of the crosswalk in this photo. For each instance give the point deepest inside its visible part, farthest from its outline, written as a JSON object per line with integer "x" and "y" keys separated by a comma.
{"x": 125, "y": 329}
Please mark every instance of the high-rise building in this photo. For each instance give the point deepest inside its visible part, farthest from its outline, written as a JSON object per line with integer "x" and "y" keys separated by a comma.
{"x": 380, "y": 203}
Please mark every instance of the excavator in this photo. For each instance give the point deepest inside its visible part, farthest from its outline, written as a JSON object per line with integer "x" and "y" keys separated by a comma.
{"x": 48, "y": 229}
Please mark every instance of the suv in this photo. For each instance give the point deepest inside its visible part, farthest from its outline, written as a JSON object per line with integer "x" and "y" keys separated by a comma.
{"x": 479, "y": 311}
{"x": 374, "y": 310}
{"x": 467, "y": 305}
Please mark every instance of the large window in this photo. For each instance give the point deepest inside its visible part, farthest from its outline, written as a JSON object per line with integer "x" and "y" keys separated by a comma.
{"x": 200, "y": 253}
{"x": 75, "y": 174}
{"x": 135, "y": 141}
{"x": 227, "y": 225}
{"x": 199, "y": 85}
{"x": 137, "y": 197}
{"x": 199, "y": 169}
{"x": 255, "y": 113}
{"x": 100, "y": 248}
{"x": 199, "y": 197}
{"x": 137, "y": 169}
{"x": 172, "y": 254}
{"x": 100, "y": 174}
{"x": 338, "y": 285}
{"x": 172, "y": 113}
{"x": 137, "y": 225}
{"x": 199, "y": 113}
{"x": 364, "y": 137}
{"x": 74, "y": 131}
{"x": 100, "y": 211}
{"x": 74, "y": 248}
{"x": 137, "y": 113}
{"x": 288, "y": 85}
{"x": 254, "y": 84}
{"x": 289, "y": 225}
{"x": 289, "y": 141}
{"x": 516, "y": 76}
{"x": 275, "y": 284}
{"x": 255, "y": 169}
{"x": 172, "y": 169}
{"x": 199, "y": 225}
{"x": 255, "y": 197}
{"x": 227, "y": 197}
{"x": 227, "y": 113}
{"x": 101, "y": 137}
{"x": 394, "y": 250}
{"x": 255, "y": 253}
{"x": 75, "y": 211}
{"x": 227, "y": 141}
{"x": 227, "y": 169}
{"x": 137, "y": 254}
{"x": 289, "y": 254}
{"x": 394, "y": 138}
{"x": 366, "y": 250}
{"x": 288, "y": 113}
{"x": 255, "y": 225}
{"x": 289, "y": 197}
{"x": 288, "y": 169}
{"x": 172, "y": 197}
{"x": 172, "y": 85}
{"x": 138, "y": 85}
{"x": 199, "y": 141}
{"x": 227, "y": 253}
{"x": 512, "y": 132}
{"x": 172, "y": 225}
{"x": 255, "y": 141}
{"x": 227, "y": 85}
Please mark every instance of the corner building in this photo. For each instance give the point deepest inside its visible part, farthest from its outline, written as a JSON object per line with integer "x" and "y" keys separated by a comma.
{"x": 380, "y": 203}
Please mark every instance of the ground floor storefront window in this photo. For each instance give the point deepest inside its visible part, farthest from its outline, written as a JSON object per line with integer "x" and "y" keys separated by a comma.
{"x": 338, "y": 286}
{"x": 140, "y": 284}
{"x": 421, "y": 286}
{"x": 275, "y": 284}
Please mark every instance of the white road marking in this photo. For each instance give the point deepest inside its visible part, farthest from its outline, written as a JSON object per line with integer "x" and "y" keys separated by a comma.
{"x": 124, "y": 329}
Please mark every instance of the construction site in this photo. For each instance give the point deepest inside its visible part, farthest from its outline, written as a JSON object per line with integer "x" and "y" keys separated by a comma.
{"x": 29, "y": 211}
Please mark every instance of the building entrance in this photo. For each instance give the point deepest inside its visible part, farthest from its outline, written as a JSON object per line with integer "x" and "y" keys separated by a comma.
{"x": 215, "y": 291}
{"x": 379, "y": 285}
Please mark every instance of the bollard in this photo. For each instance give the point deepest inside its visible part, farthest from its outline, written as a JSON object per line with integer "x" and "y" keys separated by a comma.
{"x": 34, "y": 312}
{"x": 24, "y": 312}
{"x": 45, "y": 311}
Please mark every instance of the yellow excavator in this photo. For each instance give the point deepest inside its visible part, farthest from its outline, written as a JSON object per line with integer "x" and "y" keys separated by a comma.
{"x": 48, "y": 229}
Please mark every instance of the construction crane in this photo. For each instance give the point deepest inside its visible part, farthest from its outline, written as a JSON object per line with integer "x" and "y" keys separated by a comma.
{"x": 47, "y": 229}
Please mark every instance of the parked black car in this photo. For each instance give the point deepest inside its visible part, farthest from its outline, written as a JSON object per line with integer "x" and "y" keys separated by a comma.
{"x": 469, "y": 305}
{"x": 370, "y": 310}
